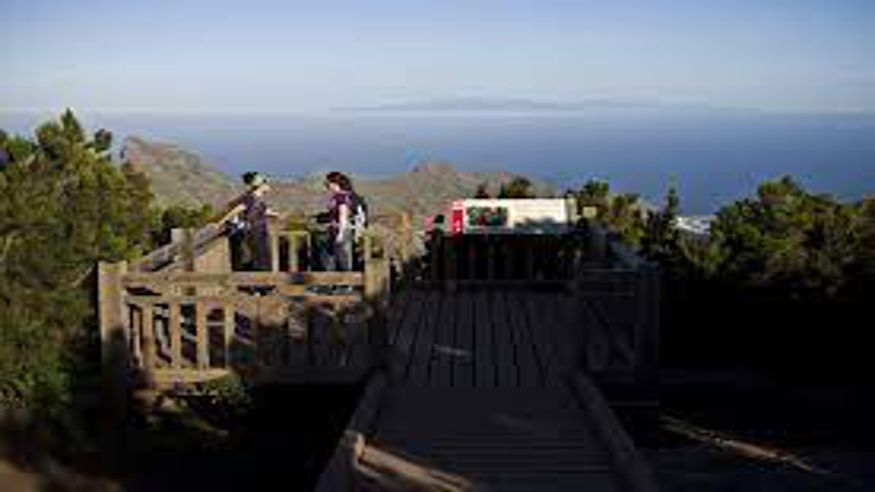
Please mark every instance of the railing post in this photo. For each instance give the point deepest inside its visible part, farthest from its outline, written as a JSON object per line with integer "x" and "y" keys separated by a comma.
{"x": 490, "y": 257}
{"x": 228, "y": 331}
{"x": 530, "y": 257}
{"x": 293, "y": 251}
{"x": 376, "y": 293}
{"x": 471, "y": 254}
{"x": 175, "y": 321}
{"x": 115, "y": 357}
{"x": 509, "y": 245}
{"x": 203, "y": 344}
{"x": 450, "y": 261}
{"x": 274, "y": 241}
{"x": 436, "y": 256}
{"x": 147, "y": 327}
{"x": 376, "y": 274}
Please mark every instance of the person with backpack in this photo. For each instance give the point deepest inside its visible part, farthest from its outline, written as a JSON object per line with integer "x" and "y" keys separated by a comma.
{"x": 347, "y": 219}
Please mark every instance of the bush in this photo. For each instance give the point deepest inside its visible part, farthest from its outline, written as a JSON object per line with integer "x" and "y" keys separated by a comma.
{"x": 33, "y": 371}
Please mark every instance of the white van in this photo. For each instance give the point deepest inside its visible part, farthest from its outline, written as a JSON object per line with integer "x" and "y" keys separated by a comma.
{"x": 512, "y": 215}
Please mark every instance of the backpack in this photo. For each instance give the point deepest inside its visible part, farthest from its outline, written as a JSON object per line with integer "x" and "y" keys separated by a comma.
{"x": 360, "y": 214}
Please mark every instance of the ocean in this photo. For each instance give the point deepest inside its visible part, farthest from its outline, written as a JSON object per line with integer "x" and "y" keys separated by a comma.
{"x": 713, "y": 156}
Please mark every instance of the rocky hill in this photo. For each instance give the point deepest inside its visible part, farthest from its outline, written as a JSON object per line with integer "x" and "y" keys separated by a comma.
{"x": 181, "y": 177}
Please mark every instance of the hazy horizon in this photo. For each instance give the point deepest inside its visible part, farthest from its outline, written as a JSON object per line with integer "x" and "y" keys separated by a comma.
{"x": 714, "y": 95}
{"x": 713, "y": 156}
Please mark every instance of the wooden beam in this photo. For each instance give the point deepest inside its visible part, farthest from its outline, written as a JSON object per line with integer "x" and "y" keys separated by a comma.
{"x": 490, "y": 258}
{"x": 436, "y": 256}
{"x": 236, "y": 279}
{"x": 339, "y": 473}
{"x": 175, "y": 321}
{"x": 135, "y": 320}
{"x": 172, "y": 377}
{"x": 203, "y": 342}
{"x": 228, "y": 330}
{"x": 631, "y": 469}
{"x": 115, "y": 357}
{"x": 147, "y": 326}
{"x": 274, "y": 251}
{"x": 294, "y": 249}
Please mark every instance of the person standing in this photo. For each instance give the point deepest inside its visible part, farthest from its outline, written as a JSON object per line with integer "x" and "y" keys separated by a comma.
{"x": 247, "y": 217}
{"x": 340, "y": 225}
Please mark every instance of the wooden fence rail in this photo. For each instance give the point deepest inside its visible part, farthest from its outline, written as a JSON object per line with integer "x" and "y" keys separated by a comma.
{"x": 177, "y": 324}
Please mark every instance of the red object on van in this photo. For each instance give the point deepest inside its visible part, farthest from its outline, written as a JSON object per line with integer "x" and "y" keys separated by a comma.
{"x": 457, "y": 218}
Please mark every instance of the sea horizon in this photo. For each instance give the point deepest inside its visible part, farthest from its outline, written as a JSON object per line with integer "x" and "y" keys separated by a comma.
{"x": 714, "y": 156}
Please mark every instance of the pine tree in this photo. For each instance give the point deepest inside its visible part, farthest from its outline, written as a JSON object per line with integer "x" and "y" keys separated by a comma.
{"x": 518, "y": 187}
{"x": 64, "y": 206}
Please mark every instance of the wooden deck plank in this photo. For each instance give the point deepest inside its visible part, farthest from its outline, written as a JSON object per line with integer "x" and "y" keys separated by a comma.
{"x": 505, "y": 361}
{"x": 541, "y": 319}
{"x": 494, "y": 438}
{"x": 555, "y": 336}
{"x": 484, "y": 348}
{"x": 568, "y": 333}
{"x": 463, "y": 361}
{"x": 401, "y": 307}
{"x": 529, "y": 370}
{"x": 401, "y": 351}
{"x": 421, "y": 355}
{"x": 359, "y": 350}
{"x": 484, "y": 402}
{"x": 596, "y": 348}
{"x": 442, "y": 349}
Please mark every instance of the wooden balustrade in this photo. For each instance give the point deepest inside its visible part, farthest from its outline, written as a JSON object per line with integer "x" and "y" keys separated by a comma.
{"x": 181, "y": 325}
{"x": 619, "y": 310}
{"x": 503, "y": 259}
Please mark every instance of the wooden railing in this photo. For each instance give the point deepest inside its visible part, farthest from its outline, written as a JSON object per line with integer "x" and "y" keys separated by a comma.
{"x": 502, "y": 260}
{"x": 620, "y": 315}
{"x": 194, "y": 319}
{"x": 616, "y": 289}
{"x": 290, "y": 250}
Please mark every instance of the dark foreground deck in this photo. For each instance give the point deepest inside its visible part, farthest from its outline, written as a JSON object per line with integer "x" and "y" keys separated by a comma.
{"x": 482, "y": 392}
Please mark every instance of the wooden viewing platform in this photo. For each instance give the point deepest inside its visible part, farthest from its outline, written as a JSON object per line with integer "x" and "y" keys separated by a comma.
{"x": 490, "y": 364}
{"x": 483, "y": 391}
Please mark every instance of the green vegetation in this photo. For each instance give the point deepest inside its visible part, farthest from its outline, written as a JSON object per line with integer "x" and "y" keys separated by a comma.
{"x": 64, "y": 206}
{"x": 620, "y": 213}
{"x": 777, "y": 271}
{"x": 178, "y": 216}
{"x": 518, "y": 187}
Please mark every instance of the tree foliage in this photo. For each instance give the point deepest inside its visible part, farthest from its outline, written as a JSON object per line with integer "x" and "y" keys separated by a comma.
{"x": 482, "y": 191}
{"x": 620, "y": 213}
{"x": 790, "y": 239}
{"x": 518, "y": 187}
{"x": 64, "y": 206}
{"x": 661, "y": 238}
{"x": 177, "y": 216}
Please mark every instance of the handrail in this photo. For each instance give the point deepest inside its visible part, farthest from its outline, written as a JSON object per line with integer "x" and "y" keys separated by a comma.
{"x": 234, "y": 279}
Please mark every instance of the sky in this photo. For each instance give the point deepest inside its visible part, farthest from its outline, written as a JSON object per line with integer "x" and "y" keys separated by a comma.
{"x": 293, "y": 57}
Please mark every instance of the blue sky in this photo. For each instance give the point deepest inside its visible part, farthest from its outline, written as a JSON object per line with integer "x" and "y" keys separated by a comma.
{"x": 283, "y": 56}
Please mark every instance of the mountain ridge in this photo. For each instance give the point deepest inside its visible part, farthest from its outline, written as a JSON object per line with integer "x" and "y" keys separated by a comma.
{"x": 181, "y": 177}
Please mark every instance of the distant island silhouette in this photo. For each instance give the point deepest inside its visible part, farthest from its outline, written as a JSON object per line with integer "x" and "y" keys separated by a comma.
{"x": 486, "y": 104}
